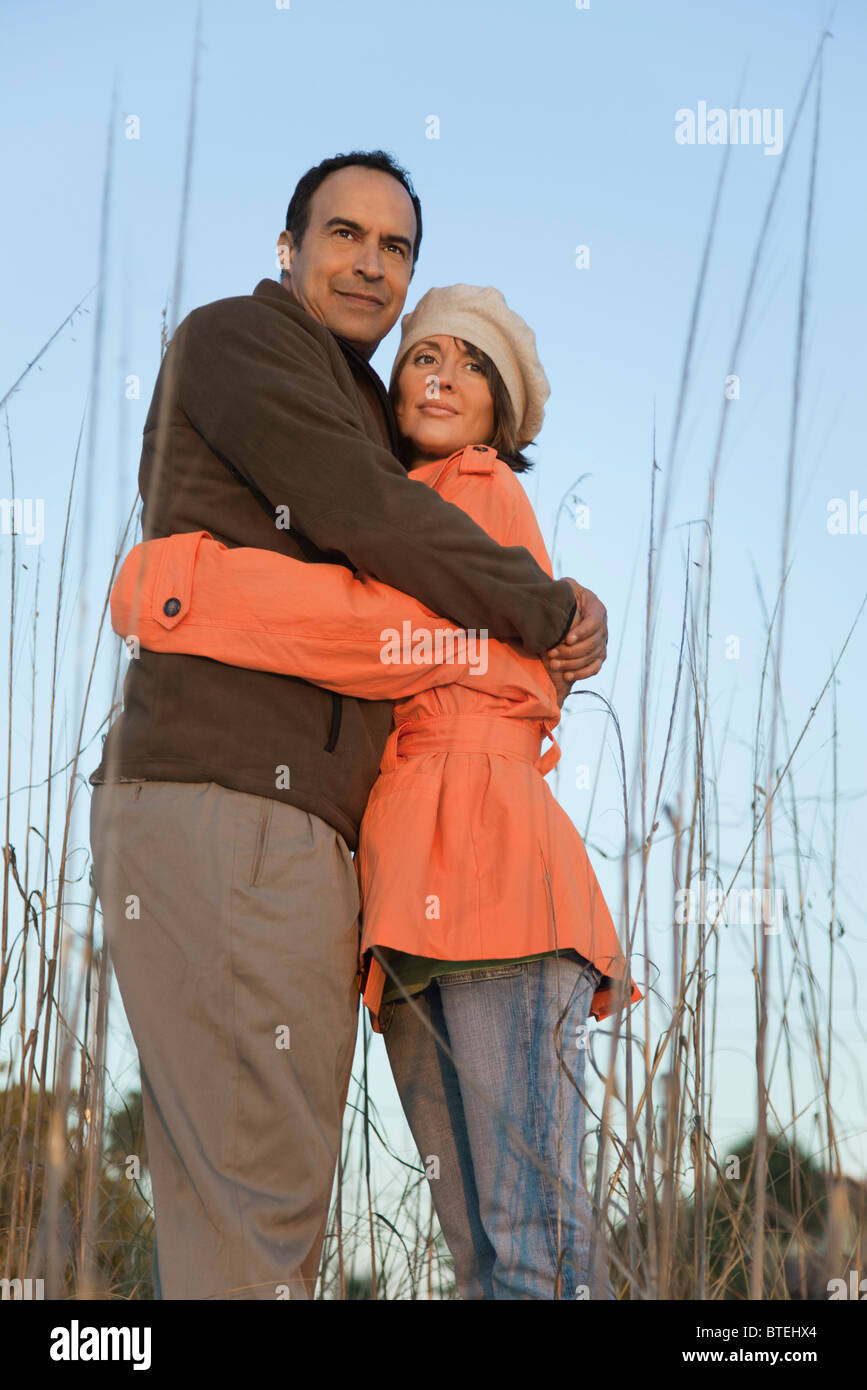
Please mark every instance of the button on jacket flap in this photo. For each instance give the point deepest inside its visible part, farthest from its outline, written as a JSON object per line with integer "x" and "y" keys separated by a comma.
{"x": 477, "y": 458}
{"x": 174, "y": 581}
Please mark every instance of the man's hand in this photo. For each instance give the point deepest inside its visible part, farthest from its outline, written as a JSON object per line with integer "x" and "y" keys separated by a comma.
{"x": 584, "y": 648}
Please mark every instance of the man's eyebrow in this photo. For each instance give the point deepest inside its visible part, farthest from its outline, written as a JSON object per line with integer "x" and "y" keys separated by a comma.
{"x": 357, "y": 227}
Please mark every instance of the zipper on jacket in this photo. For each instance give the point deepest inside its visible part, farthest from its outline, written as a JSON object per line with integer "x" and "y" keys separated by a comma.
{"x": 376, "y": 381}
{"x": 336, "y": 716}
{"x": 350, "y": 352}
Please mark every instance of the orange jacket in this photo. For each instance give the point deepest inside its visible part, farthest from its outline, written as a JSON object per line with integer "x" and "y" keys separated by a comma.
{"x": 464, "y": 853}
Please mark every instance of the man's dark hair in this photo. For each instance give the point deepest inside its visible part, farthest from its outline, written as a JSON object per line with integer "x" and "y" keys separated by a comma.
{"x": 298, "y": 212}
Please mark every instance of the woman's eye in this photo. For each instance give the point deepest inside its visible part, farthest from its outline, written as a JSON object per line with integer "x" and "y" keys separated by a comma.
{"x": 422, "y": 355}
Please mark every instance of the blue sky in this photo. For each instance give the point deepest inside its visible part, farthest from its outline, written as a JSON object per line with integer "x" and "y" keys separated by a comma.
{"x": 556, "y": 130}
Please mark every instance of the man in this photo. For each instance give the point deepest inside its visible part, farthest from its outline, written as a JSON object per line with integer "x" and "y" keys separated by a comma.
{"x": 227, "y": 801}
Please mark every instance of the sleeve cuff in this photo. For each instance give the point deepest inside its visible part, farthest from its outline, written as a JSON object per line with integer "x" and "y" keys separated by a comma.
{"x": 173, "y": 585}
{"x": 562, "y": 636}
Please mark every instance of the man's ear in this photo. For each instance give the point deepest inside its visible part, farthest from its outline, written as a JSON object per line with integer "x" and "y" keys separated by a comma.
{"x": 285, "y": 250}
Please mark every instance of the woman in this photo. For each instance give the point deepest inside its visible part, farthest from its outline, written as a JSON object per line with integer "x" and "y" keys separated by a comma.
{"x": 486, "y": 941}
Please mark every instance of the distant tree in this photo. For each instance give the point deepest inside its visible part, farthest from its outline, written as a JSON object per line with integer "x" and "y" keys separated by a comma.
{"x": 123, "y": 1219}
{"x": 798, "y": 1218}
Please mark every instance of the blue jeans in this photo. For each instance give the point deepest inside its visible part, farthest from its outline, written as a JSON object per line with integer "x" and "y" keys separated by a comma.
{"x": 499, "y": 1123}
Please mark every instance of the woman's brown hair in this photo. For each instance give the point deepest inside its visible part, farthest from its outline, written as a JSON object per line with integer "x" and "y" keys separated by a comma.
{"x": 505, "y": 436}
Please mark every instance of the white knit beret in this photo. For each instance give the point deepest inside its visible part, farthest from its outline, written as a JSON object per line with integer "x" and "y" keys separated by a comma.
{"x": 482, "y": 317}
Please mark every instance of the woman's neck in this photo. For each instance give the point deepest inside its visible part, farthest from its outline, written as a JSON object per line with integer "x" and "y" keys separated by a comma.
{"x": 418, "y": 460}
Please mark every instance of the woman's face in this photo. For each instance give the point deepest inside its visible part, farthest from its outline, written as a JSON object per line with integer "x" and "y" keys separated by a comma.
{"x": 443, "y": 401}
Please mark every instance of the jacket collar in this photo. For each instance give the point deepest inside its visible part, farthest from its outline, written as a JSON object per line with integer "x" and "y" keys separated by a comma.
{"x": 475, "y": 458}
{"x": 272, "y": 289}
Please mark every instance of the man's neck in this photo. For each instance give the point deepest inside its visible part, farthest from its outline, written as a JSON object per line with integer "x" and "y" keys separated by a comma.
{"x": 363, "y": 350}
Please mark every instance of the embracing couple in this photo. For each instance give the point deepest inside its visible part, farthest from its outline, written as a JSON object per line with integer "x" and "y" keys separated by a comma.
{"x": 295, "y": 811}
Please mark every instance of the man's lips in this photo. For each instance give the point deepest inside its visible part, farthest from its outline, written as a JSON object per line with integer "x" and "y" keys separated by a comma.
{"x": 367, "y": 299}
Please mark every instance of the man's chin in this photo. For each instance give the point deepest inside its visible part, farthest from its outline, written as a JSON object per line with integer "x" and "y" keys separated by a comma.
{"x": 363, "y": 337}
{"x": 359, "y": 325}
{"x": 349, "y": 334}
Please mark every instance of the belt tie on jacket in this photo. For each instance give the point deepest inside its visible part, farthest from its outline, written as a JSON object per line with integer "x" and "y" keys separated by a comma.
{"x": 470, "y": 733}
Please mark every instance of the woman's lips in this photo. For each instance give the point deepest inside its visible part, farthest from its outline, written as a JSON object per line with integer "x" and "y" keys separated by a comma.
{"x": 438, "y": 411}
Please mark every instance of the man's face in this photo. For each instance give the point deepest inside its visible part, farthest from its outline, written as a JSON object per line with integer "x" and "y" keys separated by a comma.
{"x": 353, "y": 267}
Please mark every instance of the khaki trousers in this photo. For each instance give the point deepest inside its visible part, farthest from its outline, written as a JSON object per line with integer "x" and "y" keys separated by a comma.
{"x": 232, "y": 925}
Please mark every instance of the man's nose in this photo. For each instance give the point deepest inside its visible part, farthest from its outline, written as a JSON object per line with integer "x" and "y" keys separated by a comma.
{"x": 368, "y": 261}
